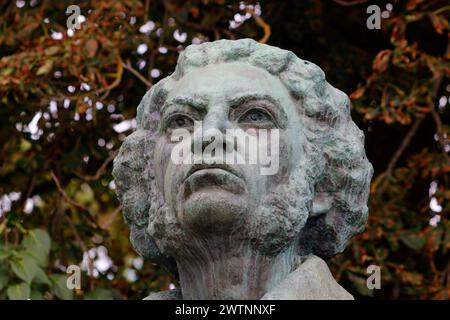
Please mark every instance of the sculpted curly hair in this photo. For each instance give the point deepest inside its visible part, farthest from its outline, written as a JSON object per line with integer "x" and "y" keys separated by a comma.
{"x": 340, "y": 176}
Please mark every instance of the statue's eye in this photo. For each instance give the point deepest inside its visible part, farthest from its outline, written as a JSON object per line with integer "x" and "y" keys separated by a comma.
{"x": 180, "y": 121}
{"x": 256, "y": 117}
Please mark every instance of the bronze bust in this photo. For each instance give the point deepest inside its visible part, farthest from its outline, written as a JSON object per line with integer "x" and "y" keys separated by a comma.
{"x": 227, "y": 230}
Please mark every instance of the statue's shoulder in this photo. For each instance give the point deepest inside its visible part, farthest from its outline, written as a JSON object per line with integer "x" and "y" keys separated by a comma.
{"x": 174, "y": 294}
{"x": 312, "y": 280}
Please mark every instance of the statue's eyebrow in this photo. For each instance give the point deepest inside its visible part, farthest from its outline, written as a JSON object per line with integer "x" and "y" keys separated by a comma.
{"x": 236, "y": 101}
{"x": 194, "y": 102}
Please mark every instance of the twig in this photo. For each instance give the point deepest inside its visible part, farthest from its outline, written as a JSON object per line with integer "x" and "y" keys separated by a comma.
{"x": 260, "y": 22}
{"x": 72, "y": 226}
{"x": 103, "y": 96}
{"x": 71, "y": 201}
{"x": 100, "y": 170}
{"x": 118, "y": 78}
{"x": 64, "y": 194}
{"x": 404, "y": 144}
{"x": 111, "y": 219}
{"x": 137, "y": 74}
{"x": 25, "y": 196}
{"x": 82, "y": 244}
{"x": 116, "y": 82}
{"x": 76, "y": 234}
{"x": 229, "y": 34}
{"x": 147, "y": 9}
{"x": 216, "y": 34}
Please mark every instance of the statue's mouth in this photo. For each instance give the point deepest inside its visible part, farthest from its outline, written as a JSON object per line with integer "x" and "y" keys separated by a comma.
{"x": 213, "y": 177}
{"x": 208, "y": 167}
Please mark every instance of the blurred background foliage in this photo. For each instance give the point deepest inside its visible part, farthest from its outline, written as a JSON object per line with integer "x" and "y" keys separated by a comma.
{"x": 68, "y": 98}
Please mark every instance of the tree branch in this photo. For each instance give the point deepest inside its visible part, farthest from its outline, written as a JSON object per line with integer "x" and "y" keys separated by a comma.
{"x": 384, "y": 177}
{"x": 100, "y": 170}
{"x": 116, "y": 82}
{"x": 137, "y": 74}
{"x": 64, "y": 194}
{"x": 111, "y": 219}
{"x": 407, "y": 139}
{"x": 70, "y": 200}
{"x": 437, "y": 119}
{"x": 260, "y": 22}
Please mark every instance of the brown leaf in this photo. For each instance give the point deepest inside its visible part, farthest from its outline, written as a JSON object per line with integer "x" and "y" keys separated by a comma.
{"x": 91, "y": 47}
{"x": 381, "y": 61}
{"x": 45, "y": 68}
{"x": 358, "y": 93}
{"x": 439, "y": 23}
{"x": 412, "y": 4}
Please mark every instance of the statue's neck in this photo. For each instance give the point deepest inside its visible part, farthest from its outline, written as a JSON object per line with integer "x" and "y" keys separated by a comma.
{"x": 232, "y": 272}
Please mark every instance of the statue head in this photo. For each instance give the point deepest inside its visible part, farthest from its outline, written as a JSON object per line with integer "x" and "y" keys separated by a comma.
{"x": 314, "y": 198}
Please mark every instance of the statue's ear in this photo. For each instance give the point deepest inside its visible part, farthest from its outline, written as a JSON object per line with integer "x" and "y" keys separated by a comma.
{"x": 322, "y": 203}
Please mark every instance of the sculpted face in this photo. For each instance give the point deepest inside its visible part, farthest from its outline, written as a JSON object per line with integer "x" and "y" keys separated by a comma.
{"x": 218, "y": 196}
{"x": 236, "y": 229}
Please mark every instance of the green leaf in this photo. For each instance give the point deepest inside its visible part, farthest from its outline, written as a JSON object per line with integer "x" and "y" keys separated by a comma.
{"x": 99, "y": 294}
{"x": 25, "y": 267}
{"x": 38, "y": 238}
{"x": 59, "y": 287}
{"x": 36, "y": 295}
{"x": 412, "y": 240}
{"x": 41, "y": 277}
{"x": 37, "y": 244}
{"x": 3, "y": 278}
{"x": 7, "y": 71}
{"x": 3, "y": 254}
{"x": 18, "y": 291}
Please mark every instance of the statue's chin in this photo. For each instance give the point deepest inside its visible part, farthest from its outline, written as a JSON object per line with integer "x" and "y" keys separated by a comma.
{"x": 212, "y": 210}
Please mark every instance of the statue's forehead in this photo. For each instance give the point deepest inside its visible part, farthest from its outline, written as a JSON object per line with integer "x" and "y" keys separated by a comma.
{"x": 229, "y": 82}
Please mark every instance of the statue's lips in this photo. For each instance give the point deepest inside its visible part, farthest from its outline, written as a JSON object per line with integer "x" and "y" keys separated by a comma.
{"x": 209, "y": 177}
{"x": 200, "y": 167}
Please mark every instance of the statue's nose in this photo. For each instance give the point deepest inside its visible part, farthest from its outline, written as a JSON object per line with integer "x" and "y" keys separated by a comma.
{"x": 216, "y": 119}
{"x": 214, "y": 124}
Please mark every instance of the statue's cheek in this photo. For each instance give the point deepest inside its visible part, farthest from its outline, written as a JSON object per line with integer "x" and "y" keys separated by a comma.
{"x": 161, "y": 156}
